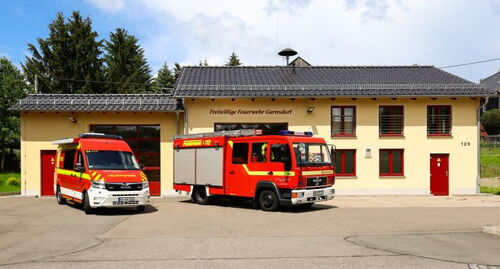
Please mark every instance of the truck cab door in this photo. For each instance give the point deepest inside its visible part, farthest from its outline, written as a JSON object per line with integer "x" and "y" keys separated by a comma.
{"x": 237, "y": 177}
{"x": 279, "y": 164}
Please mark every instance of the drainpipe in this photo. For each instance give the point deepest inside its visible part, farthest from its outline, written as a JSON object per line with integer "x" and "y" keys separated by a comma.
{"x": 185, "y": 116}
{"x": 178, "y": 125}
{"x": 478, "y": 179}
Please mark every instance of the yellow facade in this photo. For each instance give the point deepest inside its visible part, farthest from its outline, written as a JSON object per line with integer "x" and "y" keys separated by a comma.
{"x": 38, "y": 130}
{"x": 462, "y": 146}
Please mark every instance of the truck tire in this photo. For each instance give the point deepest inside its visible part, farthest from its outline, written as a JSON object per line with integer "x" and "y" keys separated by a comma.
{"x": 268, "y": 200}
{"x": 59, "y": 198}
{"x": 200, "y": 196}
{"x": 86, "y": 204}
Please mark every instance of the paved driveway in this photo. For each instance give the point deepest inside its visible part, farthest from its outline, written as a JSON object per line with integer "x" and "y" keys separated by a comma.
{"x": 390, "y": 232}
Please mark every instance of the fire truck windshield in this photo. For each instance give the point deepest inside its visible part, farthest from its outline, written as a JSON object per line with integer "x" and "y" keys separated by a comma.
{"x": 111, "y": 160}
{"x": 309, "y": 154}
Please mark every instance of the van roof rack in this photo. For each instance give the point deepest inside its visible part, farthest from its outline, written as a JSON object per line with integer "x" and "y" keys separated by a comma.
{"x": 232, "y": 133}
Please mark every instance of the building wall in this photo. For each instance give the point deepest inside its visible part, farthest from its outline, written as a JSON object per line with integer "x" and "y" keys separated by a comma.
{"x": 462, "y": 145}
{"x": 38, "y": 130}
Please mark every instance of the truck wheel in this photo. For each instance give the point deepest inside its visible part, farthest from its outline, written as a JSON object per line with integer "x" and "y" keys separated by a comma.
{"x": 268, "y": 200}
{"x": 59, "y": 198}
{"x": 141, "y": 208}
{"x": 86, "y": 204}
{"x": 200, "y": 196}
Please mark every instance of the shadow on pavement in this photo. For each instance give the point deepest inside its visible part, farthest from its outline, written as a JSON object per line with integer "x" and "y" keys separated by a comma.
{"x": 116, "y": 210}
{"x": 242, "y": 203}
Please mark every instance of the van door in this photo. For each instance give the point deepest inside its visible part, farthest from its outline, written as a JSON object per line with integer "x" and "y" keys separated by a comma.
{"x": 65, "y": 172}
{"x": 237, "y": 177}
{"x": 280, "y": 163}
{"x": 258, "y": 165}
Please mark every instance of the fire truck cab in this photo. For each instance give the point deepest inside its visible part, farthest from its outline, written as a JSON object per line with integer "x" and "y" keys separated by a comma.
{"x": 292, "y": 168}
{"x": 99, "y": 170}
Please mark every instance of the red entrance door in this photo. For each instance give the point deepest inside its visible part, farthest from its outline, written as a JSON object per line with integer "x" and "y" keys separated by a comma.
{"x": 439, "y": 174}
{"x": 48, "y": 165}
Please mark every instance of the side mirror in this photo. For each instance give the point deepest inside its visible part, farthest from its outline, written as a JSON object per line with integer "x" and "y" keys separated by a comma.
{"x": 79, "y": 169}
{"x": 142, "y": 167}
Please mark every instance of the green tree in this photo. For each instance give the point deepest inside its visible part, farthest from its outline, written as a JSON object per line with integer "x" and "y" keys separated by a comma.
{"x": 127, "y": 70}
{"x": 68, "y": 60}
{"x": 165, "y": 80}
{"x": 177, "y": 70}
{"x": 12, "y": 88}
{"x": 491, "y": 121}
{"x": 203, "y": 63}
{"x": 233, "y": 60}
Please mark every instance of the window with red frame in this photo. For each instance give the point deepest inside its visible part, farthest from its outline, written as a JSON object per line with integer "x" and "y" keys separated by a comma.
{"x": 391, "y": 121}
{"x": 438, "y": 120}
{"x": 345, "y": 162}
{"x": 391, "y": 162}
{"x": 343, "y": 121}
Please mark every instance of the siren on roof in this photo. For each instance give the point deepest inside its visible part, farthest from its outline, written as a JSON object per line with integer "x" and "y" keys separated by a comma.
{"x": 287, "y": 53}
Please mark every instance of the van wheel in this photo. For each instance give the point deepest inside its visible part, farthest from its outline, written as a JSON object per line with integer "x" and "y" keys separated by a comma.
{"x": 59, "y": 198}
{"x": 86, "y": 204}
{"x": 200, "y": 196}
{"x": 268, "y": 200}
{"x": 141, "y": 208}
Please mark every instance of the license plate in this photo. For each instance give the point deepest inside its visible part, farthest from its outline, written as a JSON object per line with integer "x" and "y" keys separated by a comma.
{"x": 126, "y": 199}
{"x": 318, "y": 193}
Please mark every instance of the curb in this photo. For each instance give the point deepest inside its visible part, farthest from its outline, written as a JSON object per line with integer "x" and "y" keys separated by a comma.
{"x": 495, "y": 230}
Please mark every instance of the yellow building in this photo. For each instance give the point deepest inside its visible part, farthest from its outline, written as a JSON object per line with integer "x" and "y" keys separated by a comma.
{"x": 398, "y": 130}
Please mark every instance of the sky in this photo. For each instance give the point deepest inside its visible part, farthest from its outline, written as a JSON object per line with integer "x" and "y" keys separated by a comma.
{"x": 323, "y": 32}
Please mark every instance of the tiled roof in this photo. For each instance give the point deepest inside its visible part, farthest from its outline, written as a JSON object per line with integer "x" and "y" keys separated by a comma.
{"x": 323, "y": 81}
{"x": 98, "y": 102}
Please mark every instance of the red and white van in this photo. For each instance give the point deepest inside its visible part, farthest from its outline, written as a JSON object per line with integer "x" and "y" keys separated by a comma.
{"x": 99, "y": 170}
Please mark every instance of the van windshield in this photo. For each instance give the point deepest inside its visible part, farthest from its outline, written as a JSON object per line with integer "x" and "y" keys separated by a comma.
{"x": 111, "y": 160}
{"x": 309, "y": 154}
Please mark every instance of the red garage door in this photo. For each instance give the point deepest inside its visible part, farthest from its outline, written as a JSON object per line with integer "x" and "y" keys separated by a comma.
{"x": 144, "y": 140}
{"x": 48, "y": 163}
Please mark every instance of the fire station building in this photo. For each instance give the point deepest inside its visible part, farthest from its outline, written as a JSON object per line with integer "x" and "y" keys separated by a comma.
{"x": 399, "y": 130}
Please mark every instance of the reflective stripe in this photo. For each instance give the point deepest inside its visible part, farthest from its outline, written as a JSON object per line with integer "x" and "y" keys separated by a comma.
{"x": 317, "y": 173}
{"x": 266, "y": 173}
{"x": 73, "y": 173}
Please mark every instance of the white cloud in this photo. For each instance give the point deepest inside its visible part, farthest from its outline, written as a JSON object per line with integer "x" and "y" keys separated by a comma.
{"x": 324, "y": 32}
{"x": 110, "y": 6}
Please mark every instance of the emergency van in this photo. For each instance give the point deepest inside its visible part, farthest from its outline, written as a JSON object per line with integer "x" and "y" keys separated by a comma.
{"x": 293, "y": 168}
{"x": 99, "y": 170}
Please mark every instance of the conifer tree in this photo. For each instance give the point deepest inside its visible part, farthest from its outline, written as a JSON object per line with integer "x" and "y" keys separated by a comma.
{"x": 165, "y": 80}
{"x": 233, "y": 60}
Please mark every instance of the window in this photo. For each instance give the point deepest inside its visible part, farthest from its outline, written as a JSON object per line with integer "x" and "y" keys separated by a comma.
{"x": 111, "y": 160}
{"x": 79, "y": 160}
{"x": 438, "y": 120}
{"x": 391, "y": 121}
{"x": 391, "y": 162}
{"x": 267, "y": 128}
{"x": 240, "y": 153}
{"x": 345, "y": 162}
{"x": 259, "y": 152}
{"x": 343, "y": 121}
{"x": 69, "y": 159}
{"x": 280, "y": 153}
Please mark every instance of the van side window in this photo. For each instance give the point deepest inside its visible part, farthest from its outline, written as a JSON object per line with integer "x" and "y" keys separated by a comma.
{"x": 280, "y": 153}
{"x": 69, "y": 159}
{"x": 79, "y": 160}
{"x": 259, "y": 152}
{"x": 240, "y": 153}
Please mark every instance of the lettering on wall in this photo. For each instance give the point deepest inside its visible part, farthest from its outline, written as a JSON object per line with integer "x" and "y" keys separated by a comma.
{"x": 232, "y": 112}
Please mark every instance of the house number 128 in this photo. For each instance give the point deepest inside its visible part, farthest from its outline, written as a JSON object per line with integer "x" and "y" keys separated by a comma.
{"x": 465, "y": 144}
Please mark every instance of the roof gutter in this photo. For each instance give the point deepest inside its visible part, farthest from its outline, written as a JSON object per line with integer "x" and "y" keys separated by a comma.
{"x": 335, "y": 96}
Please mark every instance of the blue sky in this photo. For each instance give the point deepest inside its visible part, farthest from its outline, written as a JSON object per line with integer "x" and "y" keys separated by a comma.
{"x": 324, "y": 32}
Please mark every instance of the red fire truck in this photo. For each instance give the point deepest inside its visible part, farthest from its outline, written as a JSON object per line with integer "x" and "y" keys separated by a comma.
{"x": 291, "y": 168}
{"x": 99, "y": 170}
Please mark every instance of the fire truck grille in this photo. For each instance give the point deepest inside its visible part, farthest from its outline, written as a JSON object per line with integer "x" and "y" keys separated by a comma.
{"x": 124, "y": 186}
{"x": 316, "y": 181}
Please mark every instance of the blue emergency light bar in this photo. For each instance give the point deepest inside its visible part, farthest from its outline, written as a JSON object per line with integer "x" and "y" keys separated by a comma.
{"x": 286, "y": 132}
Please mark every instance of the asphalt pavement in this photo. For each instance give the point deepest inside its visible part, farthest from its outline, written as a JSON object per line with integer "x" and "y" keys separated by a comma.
{"x": 347, "y": 232}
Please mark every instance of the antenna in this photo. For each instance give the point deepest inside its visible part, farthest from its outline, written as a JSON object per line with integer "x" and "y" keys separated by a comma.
{"x": 287, "y": 53}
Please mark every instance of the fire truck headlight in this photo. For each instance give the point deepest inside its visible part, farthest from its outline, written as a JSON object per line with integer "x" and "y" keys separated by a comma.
{"x": 297, "y": 194}
{"x": 98, "y": 184}
{"x": 145, "y": 184}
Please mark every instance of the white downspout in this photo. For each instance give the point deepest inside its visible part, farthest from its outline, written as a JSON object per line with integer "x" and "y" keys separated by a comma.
{"x": 185, "y": 116}
{"x": 478, "y": 179}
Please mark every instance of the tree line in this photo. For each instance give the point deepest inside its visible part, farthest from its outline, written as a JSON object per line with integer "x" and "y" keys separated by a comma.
{"x": 73, "y": 59}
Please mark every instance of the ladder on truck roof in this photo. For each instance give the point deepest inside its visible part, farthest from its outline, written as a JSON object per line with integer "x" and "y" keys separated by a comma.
{"x": 232, "y": 133}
